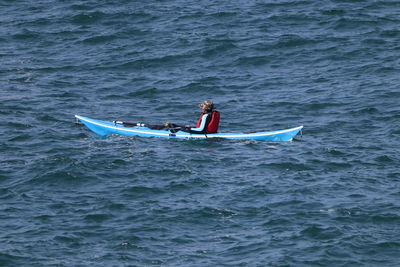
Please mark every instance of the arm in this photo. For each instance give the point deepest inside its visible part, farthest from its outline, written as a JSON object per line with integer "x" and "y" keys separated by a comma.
{"x": 202, "y": 126}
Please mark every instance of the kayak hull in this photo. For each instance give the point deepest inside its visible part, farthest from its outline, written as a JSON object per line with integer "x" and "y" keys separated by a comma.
{"x": 103, "y": 128}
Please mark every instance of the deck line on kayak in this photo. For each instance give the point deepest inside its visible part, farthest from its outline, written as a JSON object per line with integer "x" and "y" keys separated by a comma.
{"x": 180, "y": 135}
{"x": 119, "y": 128}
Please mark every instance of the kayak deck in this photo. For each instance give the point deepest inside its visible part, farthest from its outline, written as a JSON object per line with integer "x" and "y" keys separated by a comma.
{"x": 101, "y": 127}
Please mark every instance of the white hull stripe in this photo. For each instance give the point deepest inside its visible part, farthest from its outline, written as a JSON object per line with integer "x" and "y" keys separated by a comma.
{"x": 189, "y": 135}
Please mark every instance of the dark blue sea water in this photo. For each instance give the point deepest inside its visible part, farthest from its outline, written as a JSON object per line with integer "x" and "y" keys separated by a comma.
{"x": 70, "y": 198}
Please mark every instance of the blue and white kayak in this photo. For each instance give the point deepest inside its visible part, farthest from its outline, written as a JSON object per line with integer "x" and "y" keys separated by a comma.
{"x": 101, "y": 127}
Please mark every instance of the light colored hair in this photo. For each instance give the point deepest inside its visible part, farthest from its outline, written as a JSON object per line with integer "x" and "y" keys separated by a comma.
{"x": 208, "y": 105}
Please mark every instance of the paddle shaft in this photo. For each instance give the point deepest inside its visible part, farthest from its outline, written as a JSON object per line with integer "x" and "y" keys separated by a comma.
{"x": 173, "y": 128}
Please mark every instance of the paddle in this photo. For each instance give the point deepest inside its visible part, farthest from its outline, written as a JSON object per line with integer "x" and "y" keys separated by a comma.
{"x": 129, "y": 124}
{"x": 153, "y": 127}
{"x": 175, "y": 129}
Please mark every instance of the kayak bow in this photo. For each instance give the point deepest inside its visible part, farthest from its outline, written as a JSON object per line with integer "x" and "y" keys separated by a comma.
{"x": 101, "y": 127}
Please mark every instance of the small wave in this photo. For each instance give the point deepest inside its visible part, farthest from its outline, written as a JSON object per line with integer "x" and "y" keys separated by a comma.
{"x": 387, "y": 70}
{"x": 322, "y": 233}
{"x": 322, "y": 105}
{"x": 5, "y": 193}
{"x": 277, "y": 222}
{"x": 26, "y": 35}
{"x": 374, "y": 42}
{"x": 154, "y": 62}
{"x": 20, "y": 138}
{"x": 199, "y": 87}
{"x": 19, "y": 125}
{"x": 58, "y": 178}
{"x": 62, "y": 95}
{"x": 388, "y": 244}
{"x": 218, "y": 49}
{"x": 81, "y": 7}
{"x": 88, "y": 18}
{"x": 289, "y": 41}
{"x": 210, "y": 212}
{"x": 353, "y": 24}
{"x": 333, "y": 12}
{"x": 286, "y": 166}
{"x": 98, "y": 217}
{"x": 142, "y": 190}
{"x": 253, "y": 60}
{"x": 367, "y": 110}
{"x": 281, "y": 4}
{"x": 386, "y": 218}
{"x": 384, "y": 159}
{"x": 328, "y": 210}
{"x": 148, "y": 92}
{"x": 100, "y": 39}
{"x": 223, "y": 14}
{"x": 390, "y": 33}
{"x": 11, "y": 258}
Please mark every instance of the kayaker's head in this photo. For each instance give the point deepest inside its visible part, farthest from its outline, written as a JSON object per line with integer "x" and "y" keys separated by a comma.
{"x": 206, "y": 106}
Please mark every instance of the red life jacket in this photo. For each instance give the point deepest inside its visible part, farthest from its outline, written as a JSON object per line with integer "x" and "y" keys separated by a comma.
{"x": 212, "y": 126}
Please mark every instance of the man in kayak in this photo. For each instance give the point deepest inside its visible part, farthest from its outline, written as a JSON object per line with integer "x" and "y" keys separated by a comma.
{"x": 207, "y": 123}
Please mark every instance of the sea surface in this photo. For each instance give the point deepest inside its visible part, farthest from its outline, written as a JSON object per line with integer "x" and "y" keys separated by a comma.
{"x": 329, "y": 198}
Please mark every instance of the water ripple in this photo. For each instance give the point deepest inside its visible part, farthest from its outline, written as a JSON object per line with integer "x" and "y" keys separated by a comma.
{"x": 72, "y": 198}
